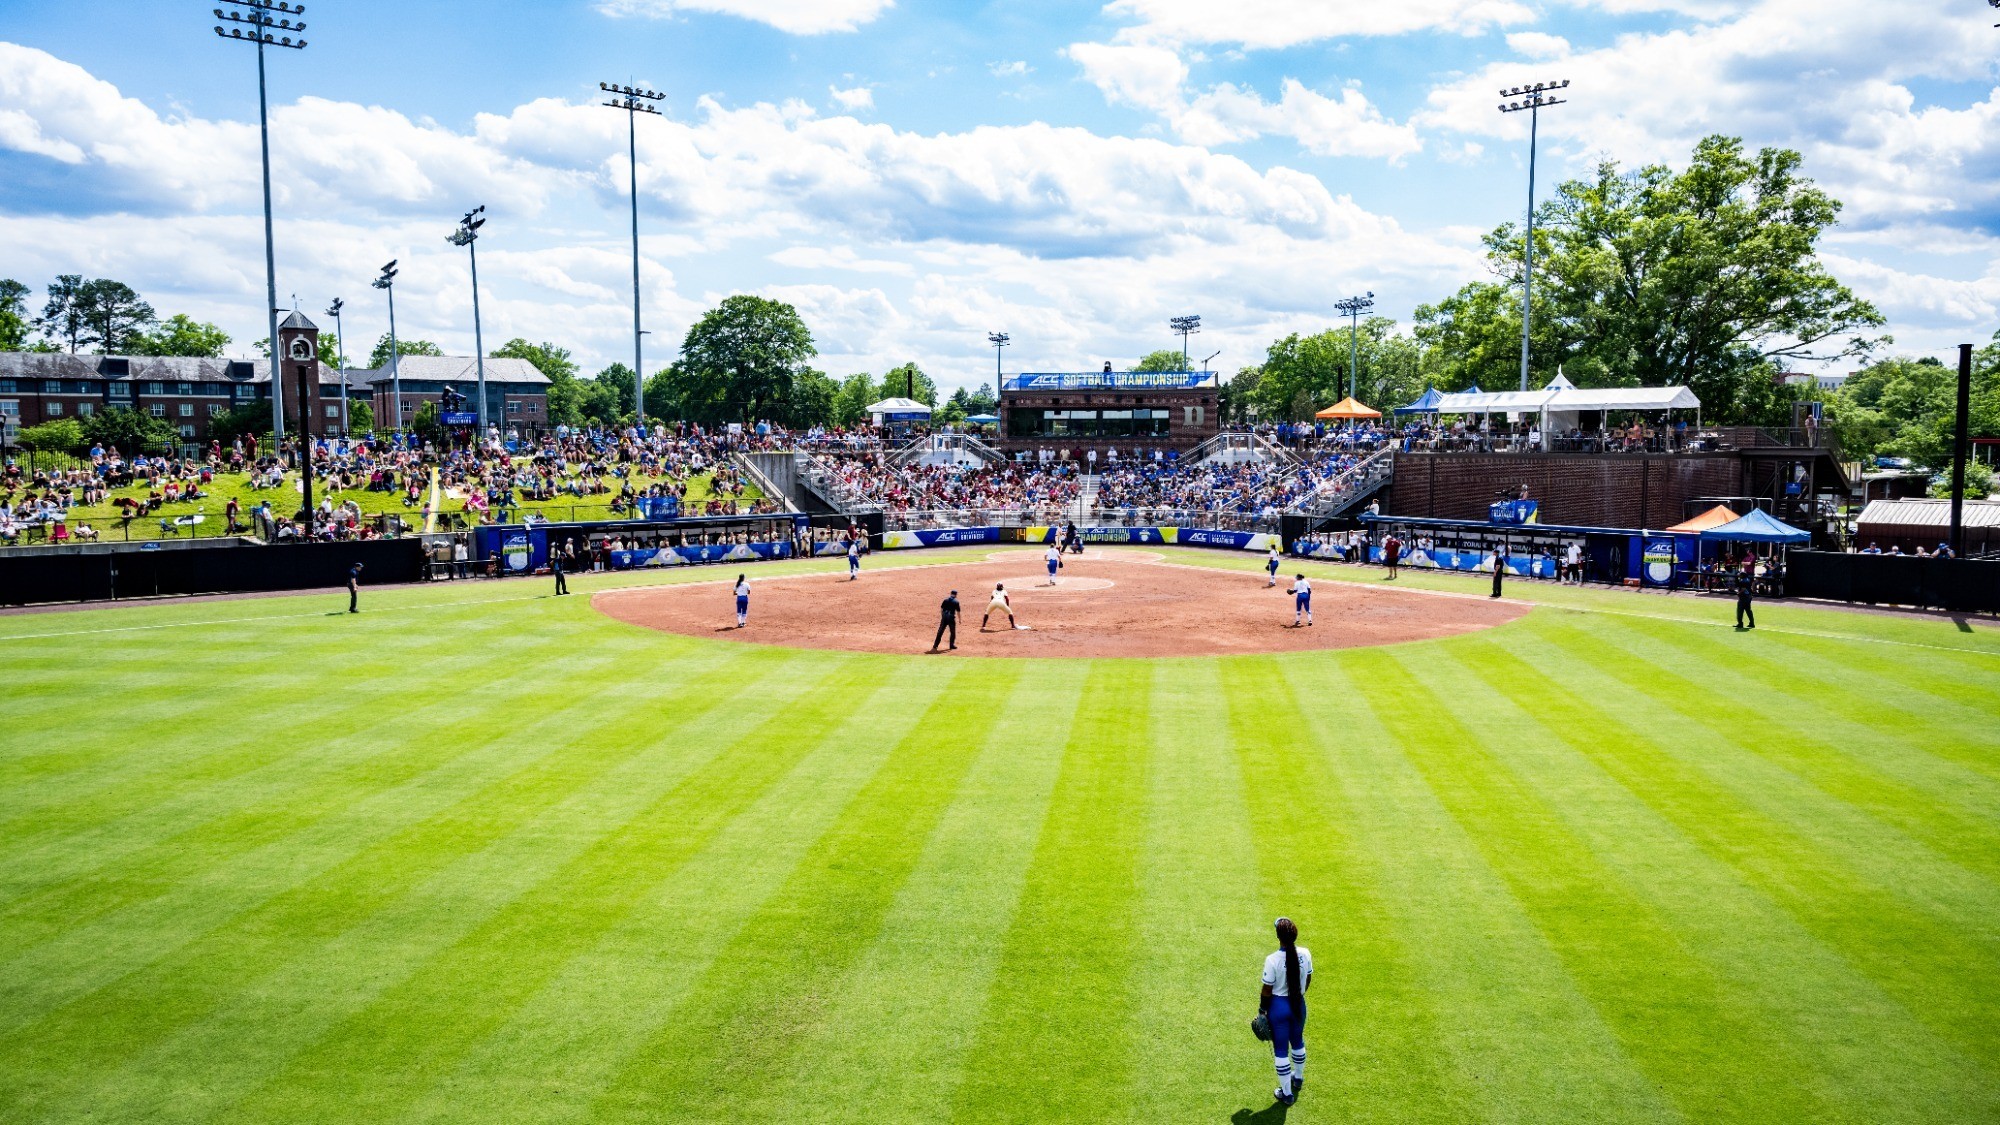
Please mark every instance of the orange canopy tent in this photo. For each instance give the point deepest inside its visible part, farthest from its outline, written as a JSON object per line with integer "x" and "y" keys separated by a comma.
{"x": 1347, "y": 408}
{"x": 1714, "y": 517}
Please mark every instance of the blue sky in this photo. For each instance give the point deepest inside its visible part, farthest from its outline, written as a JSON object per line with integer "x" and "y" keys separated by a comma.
{"x": 913, "y": 174}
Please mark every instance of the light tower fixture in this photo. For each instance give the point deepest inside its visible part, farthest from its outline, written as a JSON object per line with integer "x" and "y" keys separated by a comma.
{"x": 1533, "y": 99}
{"x": 340, "y": 357}
{"x": 1354, "y": 307}
{"x": 467, "y": 235}
{"x": 1186, "y": 326}
{"x": 262, "y": 28}
{"x": 387, "y": 282}
{"x": 634, "y": 101}
{"x": 998, "y": 340}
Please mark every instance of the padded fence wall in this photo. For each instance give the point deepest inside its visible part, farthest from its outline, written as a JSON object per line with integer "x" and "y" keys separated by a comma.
{"x": 220, "y": 569}
{"x": 1965, "y": 585}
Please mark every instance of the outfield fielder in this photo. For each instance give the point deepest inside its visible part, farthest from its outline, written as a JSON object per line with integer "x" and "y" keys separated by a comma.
{"x": 1287, "y": 975}
{"x": 742, "y": 601}
{"x": 1302, "y": 600}
{"x": 999, "y": 601}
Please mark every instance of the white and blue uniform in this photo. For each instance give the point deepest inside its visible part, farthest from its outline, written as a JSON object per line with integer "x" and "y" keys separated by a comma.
{"x": 1054, "y": 560}
{"x": 742, "y": 603}
{"x": 1271, "y": 567}
{"x": 1288, "y": 1015}
{"x": 1302, "y": 600}
{"x": 853, "y": 558}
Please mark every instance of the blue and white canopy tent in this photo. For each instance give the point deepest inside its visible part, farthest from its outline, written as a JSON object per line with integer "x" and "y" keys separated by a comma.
{"x": 1757, "y": 527}
{"x": 1428, "y": 404}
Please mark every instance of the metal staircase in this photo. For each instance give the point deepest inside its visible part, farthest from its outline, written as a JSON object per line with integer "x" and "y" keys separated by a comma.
{"x": 1340, "y": 494}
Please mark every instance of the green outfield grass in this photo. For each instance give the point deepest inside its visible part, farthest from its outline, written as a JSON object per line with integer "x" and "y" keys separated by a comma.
{"x": 482, "y": 855}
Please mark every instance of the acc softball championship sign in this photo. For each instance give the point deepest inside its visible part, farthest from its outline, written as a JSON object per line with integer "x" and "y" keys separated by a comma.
{"x": 1145, "y": 536}
{"x": 1118, "y": 380}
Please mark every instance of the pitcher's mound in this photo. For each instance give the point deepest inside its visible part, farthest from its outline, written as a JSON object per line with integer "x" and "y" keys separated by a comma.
{"x": 1106, "y": 604}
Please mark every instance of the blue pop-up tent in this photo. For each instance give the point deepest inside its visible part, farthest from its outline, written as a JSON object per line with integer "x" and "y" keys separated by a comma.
{"x": 1428, "y": 404}
{"x": 1757, "y": 527}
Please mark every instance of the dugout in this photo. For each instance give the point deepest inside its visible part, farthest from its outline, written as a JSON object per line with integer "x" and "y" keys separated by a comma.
{"x": 1532, "y": 550}
{"x": 518, "y": 549}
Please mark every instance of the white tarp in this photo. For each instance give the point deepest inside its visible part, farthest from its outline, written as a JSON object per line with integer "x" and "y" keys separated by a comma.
{"x": 899, "y": 406}
{"x": 1566, "y": 399}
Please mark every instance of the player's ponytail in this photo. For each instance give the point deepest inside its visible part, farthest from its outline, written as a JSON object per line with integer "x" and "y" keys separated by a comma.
{"x": 1288, "y": 940}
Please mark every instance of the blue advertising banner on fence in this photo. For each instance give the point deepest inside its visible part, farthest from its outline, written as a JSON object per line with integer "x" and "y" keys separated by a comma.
{"x": 1514, "y": 512}
{"x": 658, "y": 507}
{"x": 938, "y": 537}
{"x": 1527, "y": 566}
{"x": 692, "y": 556}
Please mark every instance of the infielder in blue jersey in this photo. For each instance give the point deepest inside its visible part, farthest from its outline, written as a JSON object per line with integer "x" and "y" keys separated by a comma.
{"x": 1055, "y": 562}
{"x": 1302, "y": 600}
{"x": 742, "y": 601}
{"x": 1271, "y": 568}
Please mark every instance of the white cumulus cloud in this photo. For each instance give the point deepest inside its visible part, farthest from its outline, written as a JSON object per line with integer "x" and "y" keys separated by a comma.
{"x": 799, "y": 17}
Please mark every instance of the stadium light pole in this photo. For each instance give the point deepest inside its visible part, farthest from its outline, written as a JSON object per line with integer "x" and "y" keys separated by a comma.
{"x": 340, "y": 357}
{"x": 261, "y": 23}
{"x": 1354, "y": 307}
{"x": 387, "y": 282}
{"x": 1186, "y": 326}
{"x": 998, "y": 340}
{"x": 467, "y": 235}
{"x": 1205, "y": 362}
{"x": 634, "y": 101}
{"x": 1534, "y": 99}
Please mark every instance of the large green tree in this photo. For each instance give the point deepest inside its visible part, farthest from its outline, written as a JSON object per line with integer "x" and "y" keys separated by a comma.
{"x": 1706, "y": 277}
{"x": 1903, "y": 407}
{"x": 813, "y": 394}
{"x": 64, "y": 320}
{"x": 898, "y": 382}
{"x": 1300, "y": 374}
{"x": 114, "y": 314}
{"x": 181, "y": 335}
{"x": 379, "y": 358}
{"x": 14, "y": 322}
{"x": 63, "y": 435}
{"x": 555, "y": 364}
{"x": 131, "y": 431}
{"x": 739, "y": 360}
{"x": 850, "y": 403}
{"x": 1163, "y": 360}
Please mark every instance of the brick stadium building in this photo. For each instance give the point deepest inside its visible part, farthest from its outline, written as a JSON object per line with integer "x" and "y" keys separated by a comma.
{"x": 186, "y": 393}
{"x": 1101, "y": 409}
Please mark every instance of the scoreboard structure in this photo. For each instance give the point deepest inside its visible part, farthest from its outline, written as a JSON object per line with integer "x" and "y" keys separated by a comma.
{"x": 1081, "y": 410}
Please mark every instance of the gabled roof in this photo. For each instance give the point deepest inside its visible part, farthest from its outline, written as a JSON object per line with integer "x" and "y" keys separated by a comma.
{"x": 298, "y": 320}
{"x": 458, "y": 369}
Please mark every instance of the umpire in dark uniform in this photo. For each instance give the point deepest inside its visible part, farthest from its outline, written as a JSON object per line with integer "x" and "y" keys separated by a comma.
{"x": 1746, "y": 582}
{"x": 947, "y": 621}
{"x": 354, "y": 588}
{"x": 559, "y": 566}
{"x": 1499, "y": 567}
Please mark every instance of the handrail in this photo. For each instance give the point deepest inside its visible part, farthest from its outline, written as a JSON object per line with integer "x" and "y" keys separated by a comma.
{"x": 1365, "y": 475}
{"x": 750, "y": 469}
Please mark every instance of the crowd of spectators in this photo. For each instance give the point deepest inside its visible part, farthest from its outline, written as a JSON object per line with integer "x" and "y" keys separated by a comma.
{"x": 1034, "y": 490}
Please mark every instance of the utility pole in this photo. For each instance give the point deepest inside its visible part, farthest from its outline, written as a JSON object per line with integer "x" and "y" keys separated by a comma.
{"x": 1186, "y": 326}
{"x": 261, "y": 23}
{"x": 388, "y": 282}
{"x": 1354, "y": 307}
{"x": 998, "y": 340}
{"x": 340, "y": 358}
{"x": 467, "y": 235}
{"x": 634, "y": 101}
{"x": 1533, "y": 99}
{"x": 1961, "y": 443}
{"x": 306, "y": 372}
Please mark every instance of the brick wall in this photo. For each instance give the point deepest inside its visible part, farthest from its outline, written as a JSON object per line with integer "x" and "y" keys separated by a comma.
{"x": 1590, "y": 491}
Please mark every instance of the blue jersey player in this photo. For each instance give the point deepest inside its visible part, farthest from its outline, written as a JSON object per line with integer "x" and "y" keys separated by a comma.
{"x": 853, "y": 559}
{"x": 1302, "y": 600}
{"x": 1271, "y": 568}
{"x": 742, "y": 601}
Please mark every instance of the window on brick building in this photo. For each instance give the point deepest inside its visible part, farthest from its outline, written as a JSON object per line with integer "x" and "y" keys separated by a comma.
{"x": 86, "y": 409}
{"x": 10, "y": 407}
{"x": 187, "y": 410}
{"x": 154, "y": 389}
{"x": 55, "y": 409}
{"x": 214, "y": 408}
{"x": 157, "y": 410}
{"x": 513, "y": 408}
{"x": 52, "y": 386}
{"x": 187, "y": 431}
{"x": 185, "y": 389}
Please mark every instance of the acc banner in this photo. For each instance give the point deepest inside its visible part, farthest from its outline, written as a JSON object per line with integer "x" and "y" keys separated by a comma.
{"x": 1526, "y": 566}
{"x": 1236, "y": 540}
{"x": 1657, "y": 565}
{"x": 516, "y": 554}
{"x": 939, "y": 537}
{"x": 691, "y": 556}
{"x": 1319, "y": 551}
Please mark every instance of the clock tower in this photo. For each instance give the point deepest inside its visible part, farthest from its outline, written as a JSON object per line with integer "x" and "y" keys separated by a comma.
{"x": 298, "y": 365}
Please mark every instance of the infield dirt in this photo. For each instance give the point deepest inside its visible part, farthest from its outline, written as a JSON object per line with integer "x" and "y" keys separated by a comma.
{"x": 1106, "y": 603}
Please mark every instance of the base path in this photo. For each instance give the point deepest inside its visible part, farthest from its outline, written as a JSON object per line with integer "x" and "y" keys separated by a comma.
{"x": 1107, "y": 603}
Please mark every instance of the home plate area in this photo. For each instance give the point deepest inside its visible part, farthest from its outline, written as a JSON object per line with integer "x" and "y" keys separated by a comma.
{"x": 1107, "y": 602}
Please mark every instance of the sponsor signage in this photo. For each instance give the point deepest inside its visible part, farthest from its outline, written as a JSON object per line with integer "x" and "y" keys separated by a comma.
{"x": 1657, "y": 565}
{"x": 1111, "y": 380}
{"x": 515, "y": 552}
{"x": 459, "y": 418}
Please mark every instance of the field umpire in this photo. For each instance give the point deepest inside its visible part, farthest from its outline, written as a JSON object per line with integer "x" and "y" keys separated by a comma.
{"x": 947, "y": 621}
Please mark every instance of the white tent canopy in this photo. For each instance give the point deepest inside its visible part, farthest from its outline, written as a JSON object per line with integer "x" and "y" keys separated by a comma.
{"x": 899, "y": 406}
{"x": 1560, "y": 397}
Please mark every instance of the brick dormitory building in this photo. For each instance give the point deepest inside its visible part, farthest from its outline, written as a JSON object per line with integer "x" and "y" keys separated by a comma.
{"x": 186, "y": 393}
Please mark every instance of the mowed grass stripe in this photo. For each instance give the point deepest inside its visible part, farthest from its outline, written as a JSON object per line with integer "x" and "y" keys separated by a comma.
{"x": 1201, "y": 911}
{"x": 239, "y": 991}
{"x": 1057, "y": 1033}
{"x": 142, "y": 757}
{"x": 1901, "y": 759}
{"x": 398, "y": 790}
{"x": 1497, "y": 1020}
{"x": 891, "y": 1041}
{"x": 679, "y": 905}
{"x": 1806, "y": 935}
{"x": 1910, "y": 923}
{"x": 370, "y": 1055}
{"x": 1675, "y": 1016}
{"x": 1962, "y": 852}
{"x": 721, "y": 1055}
